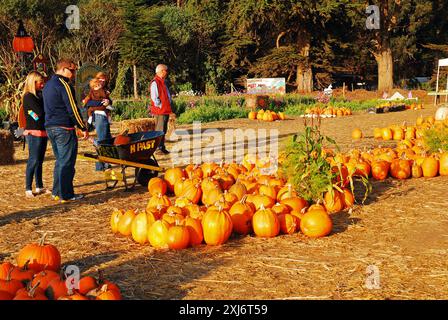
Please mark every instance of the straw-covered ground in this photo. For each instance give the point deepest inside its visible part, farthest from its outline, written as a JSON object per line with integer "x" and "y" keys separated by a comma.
{"x": 402, "y": 230}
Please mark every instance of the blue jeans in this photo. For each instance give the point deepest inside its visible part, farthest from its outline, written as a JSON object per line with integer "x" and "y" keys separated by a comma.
{"x": 36, "y": 148}
{"x": 102, "y": 127}
{"x": 65, "y": 149}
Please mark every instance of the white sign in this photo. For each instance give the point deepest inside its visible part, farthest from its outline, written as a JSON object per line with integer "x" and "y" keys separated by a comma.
{"x": 266, "y": 86}
{"x": 443, "y": 62}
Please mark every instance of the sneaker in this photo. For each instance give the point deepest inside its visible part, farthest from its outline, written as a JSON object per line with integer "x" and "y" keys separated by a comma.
{"x": 76, "y": 197}
{"x": 42, "y": 191}
{"x": 55, "y": 198}
{"x": 29, "y": 194}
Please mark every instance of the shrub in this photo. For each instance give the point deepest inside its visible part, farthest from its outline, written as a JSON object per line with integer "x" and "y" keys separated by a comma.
{"x": 436, "y": 139}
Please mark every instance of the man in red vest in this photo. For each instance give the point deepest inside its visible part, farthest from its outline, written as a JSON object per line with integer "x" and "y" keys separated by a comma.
{"x": 161, "y": 102}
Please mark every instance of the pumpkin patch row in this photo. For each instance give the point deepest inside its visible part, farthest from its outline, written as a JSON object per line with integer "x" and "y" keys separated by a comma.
{"x": 266, "y": 115}
{"x": 38, "y": 276}
{"x": 211, "y": 202}
{"x": 328, "y": 112}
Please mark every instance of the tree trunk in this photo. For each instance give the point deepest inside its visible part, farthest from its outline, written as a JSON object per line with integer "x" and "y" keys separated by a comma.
{"x": 384, "y": 60}
{"x": 304, "y": 78}
{"x": 134, "y": 67}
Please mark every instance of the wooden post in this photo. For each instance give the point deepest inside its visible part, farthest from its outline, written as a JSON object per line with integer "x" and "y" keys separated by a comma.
{"x": 343, "y": 90}
{"x": 437, "y": 85}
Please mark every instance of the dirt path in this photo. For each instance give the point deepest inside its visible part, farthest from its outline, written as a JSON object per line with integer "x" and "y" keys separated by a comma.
{"x": 402, "y": 231}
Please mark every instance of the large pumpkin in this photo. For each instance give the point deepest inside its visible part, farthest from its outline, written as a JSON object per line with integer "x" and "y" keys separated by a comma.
{"x": 430, "y": 167}
{"x": 157, "y": 186}
{"x": 217, "y": 226}
{"x": 316, "y": 223}
{"x": 125, "y": 223}
{"x": 140, "y": 226}
{"x": 39, "y": 256}
{"x": 265, "y": 223}
{"x": 400, "y": 169}
{"x": 334, "y": 201}
{"x": 380, "y": 169}
{"x": 194, "y": 227}
{"x": 158, "y": 234}
{"x": 443, "y": 164}
{"x": 288, "y": 223}
{"x": 172, "y": 175}
{"x": 241, "y": 214}
{"x": 178, "y": 237}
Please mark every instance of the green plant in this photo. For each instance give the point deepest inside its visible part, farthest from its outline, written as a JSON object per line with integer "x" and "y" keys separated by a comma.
{"x": 436, "y": 139}
{"x": 306, "y": 165}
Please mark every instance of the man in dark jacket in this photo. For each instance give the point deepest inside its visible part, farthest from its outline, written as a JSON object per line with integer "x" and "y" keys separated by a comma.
{"x": 61, "y": 117}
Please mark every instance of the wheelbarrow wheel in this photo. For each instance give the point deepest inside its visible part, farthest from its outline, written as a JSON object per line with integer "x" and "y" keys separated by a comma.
{"x": 144, "y": 175}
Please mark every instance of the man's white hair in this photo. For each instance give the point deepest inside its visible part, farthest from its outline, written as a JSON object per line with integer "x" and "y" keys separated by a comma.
{"x": 161, "y": 67}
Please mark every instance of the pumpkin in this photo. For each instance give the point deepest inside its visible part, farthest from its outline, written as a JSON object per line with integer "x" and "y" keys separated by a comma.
{"x": 10, "y": 285}
{"x": 182, "y": 202}
{"x": 269, "y": 191}
{"x": 125, "y": 223}
{"x": 191, "y": 191}
{"x": 295, "y": 203}
{"x": 115, "y": 218}
{"x": 6, "y": 295}
{"x": 398, "y": 134}
{"x": 194, "y": 211}
{"x": 430, "y": 167}
{"x": 316, "y": 223}
{"x": 357, "y": 134}
{"x": 288, "y": 223}
{"x": 252, "y": 115}
{"x": 172, "y": 175}
{"x": 241, "y": 214}
{"x": 73, "y": 296}
{"x": 333, "y": 201}
{"x": 400, "y": 169}
{"x": 5, "y": 268}
{"x": 140, "y": 226}
{"x": 107, "y": 293}
{"x": 39, "y": 256}
{"x": 443, "y": 164}
{"x": 212, "y": 196}
{"x": 193, "y": 171}
{"x": 386, "y": 134}
{"x": 157, "y": 186}
{"x": 380, "y": 169}
{"x": 280, "y": 208}
{"x": 377, "y": 133}
{"x": 87, "y": 284}
{"x": 225, "y": 180}
{"x": 172, "y": 219}
{"x": 43, "y": 279}
{"x": 156, "y": 212}
{"x": 35, "y": 293}
{"x": 208, "y": 184}
{"x": 416, "y": 170}
{"x": 178, "y": 237}
{"x": 348, "y": 198}
{"x": 265, "y": 223}
{"x": 441, "y": 113}
{"x": 157, "y": 200}
{"x": 122, "y": 139}
{"x": 22, "y": 274}
{"x": 158, "y": 234}
{"x": 217, "y": 227}
{"x": 56, "y": 288}
{"x": 260, "y": 200}
{"x": 194, "y": 228}
{"x": 238, "y": 189}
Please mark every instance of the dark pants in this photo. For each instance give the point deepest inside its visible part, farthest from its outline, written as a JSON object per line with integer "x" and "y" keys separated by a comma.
{"x": 102, "y": 127}
{"x": 36, "y": 147}
{"x": 65, "y": 149}
{"x": 162, "y": 125}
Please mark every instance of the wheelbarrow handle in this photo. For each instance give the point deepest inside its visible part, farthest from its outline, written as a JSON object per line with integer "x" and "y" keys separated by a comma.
{"x": 89, "y": 156}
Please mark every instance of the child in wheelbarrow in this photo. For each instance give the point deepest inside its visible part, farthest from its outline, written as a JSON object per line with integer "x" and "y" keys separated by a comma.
{"x": 99, "y": 108}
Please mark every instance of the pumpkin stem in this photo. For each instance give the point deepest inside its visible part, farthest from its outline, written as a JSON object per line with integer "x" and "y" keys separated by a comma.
{"x": 42, "y": 240}
{"x": 8, "y": 275}
{"x": 32, "y": 291}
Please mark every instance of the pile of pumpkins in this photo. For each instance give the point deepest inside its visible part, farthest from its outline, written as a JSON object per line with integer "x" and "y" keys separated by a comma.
{"x": 328, "y": 112}
{"x": 213, "y": 201}
{"x": 409, "y": 159}
{"x": 38, "y": 276}
{"x": 266, "y": 115}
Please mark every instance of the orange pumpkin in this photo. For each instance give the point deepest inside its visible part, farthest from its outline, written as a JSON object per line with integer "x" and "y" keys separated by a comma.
{"x": 217, "y": 226}
{"x": 357, "y": 134}
{"x": 380, "y": 169}
{"x": 349, "y": 199}
{"x": 115, "y": 218}
{"x": 400, "y": 169}
{"x": 172, "y": 175}
{"x": 10, "y": 285}
{"x": 265, "y": 223}
{"x": 125, "y": 222}
{"x": 158, "y": 234}
{"x": 157, "y": 186}
{"x": 333, "y": 201}
{"x": 157, "y": 200}
{"x": 288, "y": 223}
{"x": 39, "y": 256}
{"x": 316, "y": 223}
{"x": 430, "y": 167}
{"x": 443, "y": 164}
{"x": 295, "y": 203}
{"x": 178, "y": 237}
{"x": 140, "y": 226}
{"x": 416, "y": 170}
{"x": 387, "y": 134}
{"x": 241, "y": 214}
{"x": 194, "y": 228}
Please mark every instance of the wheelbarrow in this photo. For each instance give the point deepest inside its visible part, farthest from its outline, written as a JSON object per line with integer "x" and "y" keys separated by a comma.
{"x": 138, "y": 154}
